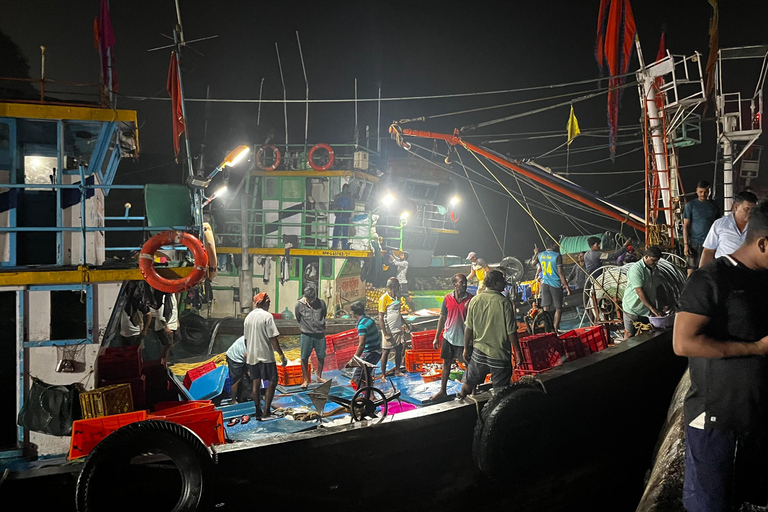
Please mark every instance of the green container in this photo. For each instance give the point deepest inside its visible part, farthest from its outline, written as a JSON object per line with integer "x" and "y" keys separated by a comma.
{"x": 457, "y": 375}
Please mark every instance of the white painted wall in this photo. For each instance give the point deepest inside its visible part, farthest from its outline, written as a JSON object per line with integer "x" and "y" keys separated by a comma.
{"x": 94, "y": 212}
{"x": 37, "y": 315}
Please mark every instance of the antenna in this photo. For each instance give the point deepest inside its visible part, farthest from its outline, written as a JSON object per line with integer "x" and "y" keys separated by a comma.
{"x": 258, "y": 116}
{"x": 285, "y": 103}
{"x": 306, "y": 86}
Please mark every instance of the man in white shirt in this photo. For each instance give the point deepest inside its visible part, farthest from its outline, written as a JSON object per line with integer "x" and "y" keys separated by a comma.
{"x": 728, "y": 233}
{"x": 261, "y": 344}
{"x": 236, "y": 365}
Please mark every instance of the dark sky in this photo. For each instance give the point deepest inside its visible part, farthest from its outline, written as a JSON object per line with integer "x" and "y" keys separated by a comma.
{"x": 410, "y": 49}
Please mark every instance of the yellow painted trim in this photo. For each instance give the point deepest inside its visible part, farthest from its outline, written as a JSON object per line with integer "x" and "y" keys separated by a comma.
{"x": 444, "y": 231}
{"x": 315, "y": 174}
{"x": 35, "y": 111}
{"x": 277, "y": 251}
{"x": 84, "y": 275}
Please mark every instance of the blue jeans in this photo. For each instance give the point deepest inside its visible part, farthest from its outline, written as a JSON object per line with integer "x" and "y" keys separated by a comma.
{"x": 340, "y": 233}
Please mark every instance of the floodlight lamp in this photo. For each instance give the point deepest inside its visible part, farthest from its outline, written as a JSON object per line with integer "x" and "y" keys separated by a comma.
{"x": 236, "y": 156}
{"x": 388, "y": 200}
{"x": 404, "y": 215}
{"x": 221, "y": 191}
{"x": 454, "y": 200}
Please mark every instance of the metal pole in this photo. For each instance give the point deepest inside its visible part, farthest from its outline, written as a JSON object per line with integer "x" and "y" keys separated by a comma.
{"x": 285, "y": 103}
{"x": 246, "y": 286}
{"x": 506, "y": 220}
{"x": 357, "y": 135}
{"x": 258, "y": 116}
{"x": 42, "y": 73}
{"x": 306, "y": 92}
{"x": 727, "y": 171}
{"x": 378, "y": 125}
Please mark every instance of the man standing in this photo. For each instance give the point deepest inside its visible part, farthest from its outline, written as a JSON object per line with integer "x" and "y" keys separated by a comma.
{"x": 401, "y": 263}
{"x": 261, "y": 344}
{"x": 698, "y": 217}
{"x": 344, "y": 205}
{"x": 721, "y": 328}
{"x": 640, "y": 295}
{"x": 594, "y": 259}
{"x": 552, "y": 282}
{"x": 453, "y": 314}
{"x": 728, "y": 233}
{"x": 369, "y": 339}
{"x": 393, "y": 326}
{"x": 310, "y": 312}
{"x": 489, "y": 335}
{"x": 236, "y": 364}
{"x": 479, "y": 269}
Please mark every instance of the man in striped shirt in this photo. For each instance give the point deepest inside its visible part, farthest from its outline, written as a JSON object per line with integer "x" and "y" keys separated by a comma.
{"x": 489, "y": 334}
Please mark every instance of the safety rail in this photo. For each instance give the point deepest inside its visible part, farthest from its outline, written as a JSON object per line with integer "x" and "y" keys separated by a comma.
{"x": 83, "y": 187}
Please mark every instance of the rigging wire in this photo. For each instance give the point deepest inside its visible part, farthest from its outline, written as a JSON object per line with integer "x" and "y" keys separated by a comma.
{"x": 601, "y": 160}
{"x": 481, "y": 207}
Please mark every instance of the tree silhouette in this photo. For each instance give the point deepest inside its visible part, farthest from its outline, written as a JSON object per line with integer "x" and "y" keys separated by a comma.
{"x": 13, "y": 64}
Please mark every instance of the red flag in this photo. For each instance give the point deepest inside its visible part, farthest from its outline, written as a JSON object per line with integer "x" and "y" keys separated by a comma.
{"x": 714, "y": 50}
{"x": 615, "y": 42}
{"x": 106, "y": 43}
{"x": 660, "y": 55}
{"x": 173, "y": 88}
{"x": 96, "y": 33}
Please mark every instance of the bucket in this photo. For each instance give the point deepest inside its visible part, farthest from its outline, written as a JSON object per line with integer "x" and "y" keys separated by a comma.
{"x": 662, "y": 322}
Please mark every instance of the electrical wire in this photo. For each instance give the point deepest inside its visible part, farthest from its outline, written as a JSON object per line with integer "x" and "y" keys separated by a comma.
{"x": 481, "y": 207}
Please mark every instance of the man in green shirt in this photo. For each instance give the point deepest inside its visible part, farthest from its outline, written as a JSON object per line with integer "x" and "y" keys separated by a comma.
{"x": 639, "y": 300}
{"x": 489, "y": 334}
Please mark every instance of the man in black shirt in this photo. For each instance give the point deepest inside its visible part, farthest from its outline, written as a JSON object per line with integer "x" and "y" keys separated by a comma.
{"x": 721, "y": 327}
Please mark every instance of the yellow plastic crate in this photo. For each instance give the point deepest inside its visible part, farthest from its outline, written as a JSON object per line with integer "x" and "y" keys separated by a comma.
{"x": 115, "y": 399}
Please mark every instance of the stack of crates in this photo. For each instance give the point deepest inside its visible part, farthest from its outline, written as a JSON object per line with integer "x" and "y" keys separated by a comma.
{"x": 106, "y": 401}
{"x": 423, "y": 340}
{"x": 124, "y": 365}
{"x": 594, "y": 339}
{"x": 416, "y": 359}
{"x": 290, "y": 375}
{"x": 339, "y": 350}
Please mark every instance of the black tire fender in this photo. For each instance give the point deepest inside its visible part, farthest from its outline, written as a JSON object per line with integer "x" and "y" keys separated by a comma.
{"x": 104, "y": 484}
{"x": 511, "y": 433}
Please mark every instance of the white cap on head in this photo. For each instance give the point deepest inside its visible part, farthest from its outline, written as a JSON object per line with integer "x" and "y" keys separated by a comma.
{"x": 471, "y": 255}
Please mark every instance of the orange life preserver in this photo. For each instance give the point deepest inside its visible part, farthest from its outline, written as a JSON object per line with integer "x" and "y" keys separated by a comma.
{"x": 454, "y": 218}
{"x": 311, "y": 156}
{"x": 260, "y": 155}
{"x": 147, "y": 261}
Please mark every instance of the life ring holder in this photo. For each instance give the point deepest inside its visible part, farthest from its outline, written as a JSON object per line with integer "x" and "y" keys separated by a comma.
{"x": 147, "y": 261}
{"x": 311, "y": 157}
{"x": 454, "y": 218}
{"x": 260, "y": 156}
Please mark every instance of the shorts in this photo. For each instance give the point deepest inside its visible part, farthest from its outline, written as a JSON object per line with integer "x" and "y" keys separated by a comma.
{"x": 312, "y": 341}
{"x": 450, "y": 352}
{"x": 551, "y": 296}
{"x": 395, "y": 341}
{"x": 236, "y": 370}
{"x": 404, "y": 289}
{"x": 693, "y": 260}
{"x": 480, "y": 365}
{"x": 263, "y": 371}
{"x": 629, "y": 322}
{"x": 369, "y": 357}
{"x": 723, "y": 469}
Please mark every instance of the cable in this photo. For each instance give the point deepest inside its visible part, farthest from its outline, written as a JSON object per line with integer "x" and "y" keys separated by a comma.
{"x": 602, "y": 160}
{"x": 481, "y": 207}
{"x": 625, "y": 188}
{"x": 363, "y": 100}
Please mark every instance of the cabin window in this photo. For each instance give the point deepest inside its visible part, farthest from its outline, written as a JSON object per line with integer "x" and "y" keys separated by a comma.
{"x": 270, "y": 188}
{"x": 40, "y": 170}
{"x": 293, "y": 189}
{"x": 326, "y": 268}
{"x": 68, "y": 316}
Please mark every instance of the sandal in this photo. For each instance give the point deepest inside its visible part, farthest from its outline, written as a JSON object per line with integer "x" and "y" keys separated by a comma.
{"x": 245, "y": 419}
{"x": 233, "y": 422}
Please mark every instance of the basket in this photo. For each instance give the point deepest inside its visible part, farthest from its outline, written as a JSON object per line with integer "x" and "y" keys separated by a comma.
{"x": 662, "y": 322}
{"x": 432, "y": 378}
{"x": 197, "y": 372}
{"x": 342, "y": 340}
{"x": 416, "y": 359}
{"x": 423, "y": 340}
{"x": 86, "y": 434}
{"x": 542, "y": 351}
{"x": 206, "y": 422}
{"x": 106, "y": 401}
{"x": 291, "y": 375}
{"x": 593, "y": 338}
{"x": 574, "y": 349}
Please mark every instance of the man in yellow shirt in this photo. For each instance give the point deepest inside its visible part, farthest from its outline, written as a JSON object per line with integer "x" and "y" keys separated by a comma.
{"x": 479, "y": 269}
{"x": 393, "y": 326}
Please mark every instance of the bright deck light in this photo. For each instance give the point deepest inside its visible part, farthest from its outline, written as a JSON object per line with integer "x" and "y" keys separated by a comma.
{"x": 236, "y": 155}
{"x": 454, "y": 200}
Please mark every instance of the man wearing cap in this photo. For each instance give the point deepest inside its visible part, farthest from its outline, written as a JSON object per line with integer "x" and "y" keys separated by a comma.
{"x": 261, "y": 344}
{"x": 479, "y": 269}
{"x": 310, "y": 313}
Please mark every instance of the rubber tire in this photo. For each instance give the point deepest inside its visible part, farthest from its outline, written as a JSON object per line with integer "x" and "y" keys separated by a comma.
{"x": 195, "y": 335}
{"x": 511, "y": 434}
{"x": 98, "y": 483}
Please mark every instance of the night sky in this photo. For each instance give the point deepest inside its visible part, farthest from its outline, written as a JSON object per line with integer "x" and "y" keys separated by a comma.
{"x": 407, "y": 48}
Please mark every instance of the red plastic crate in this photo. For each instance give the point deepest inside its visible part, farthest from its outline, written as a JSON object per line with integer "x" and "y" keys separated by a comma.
{"x": 277, "y": 316}
{"x": 208, "y": 424}
{"x": 342, "y": 340}
{"x": 423, "y": 340}
{"x": 196, "y": 373}
{"x": 169, "y": 408}
{"x": 416, "y": 359}
{"x": 117, "y": 363}
{"x": 86, "y": 434}
{"x": 593, "y": 338}
{"x": 574, "y": 348}
{"x": 328, "y": 364}
{"x": 542, "y": 351}
{"x": 290, "y": 375}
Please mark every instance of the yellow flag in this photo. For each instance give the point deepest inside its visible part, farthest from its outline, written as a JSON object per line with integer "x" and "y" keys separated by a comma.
{"x": 572, "y": 127}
